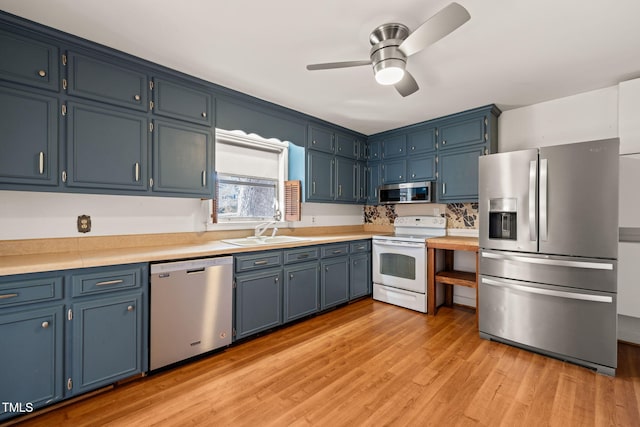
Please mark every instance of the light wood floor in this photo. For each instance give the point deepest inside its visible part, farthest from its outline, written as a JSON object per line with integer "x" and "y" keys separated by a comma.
{"x": 370, "y": 363}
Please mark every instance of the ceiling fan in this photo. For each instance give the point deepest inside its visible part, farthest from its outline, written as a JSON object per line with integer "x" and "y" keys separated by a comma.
{"x": 392, "y": 43}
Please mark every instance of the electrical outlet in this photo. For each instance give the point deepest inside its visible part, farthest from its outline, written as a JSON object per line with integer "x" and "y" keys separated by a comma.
{"x": 313, "y": 219}
{"x": 84, "y": 223}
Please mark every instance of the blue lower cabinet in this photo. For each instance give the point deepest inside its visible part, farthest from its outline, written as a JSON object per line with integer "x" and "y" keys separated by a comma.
{"x": 31, "y": 359}
{"x": 359, "y": 275}
{"x": 301, "y": 290}
{"x": 258, "y": 302}
{"x": 107, "y": 341}
{"x": 334, "y": 288}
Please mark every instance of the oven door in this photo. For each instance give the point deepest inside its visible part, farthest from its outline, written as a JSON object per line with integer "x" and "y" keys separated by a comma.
{"x": 400, "y": 264}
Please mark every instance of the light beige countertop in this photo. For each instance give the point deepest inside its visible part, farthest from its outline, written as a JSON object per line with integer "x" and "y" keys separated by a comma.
{"x": 81, "y": 258}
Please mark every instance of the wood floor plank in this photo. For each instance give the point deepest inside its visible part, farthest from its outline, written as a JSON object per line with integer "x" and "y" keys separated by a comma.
{"x": 369, "y": 363}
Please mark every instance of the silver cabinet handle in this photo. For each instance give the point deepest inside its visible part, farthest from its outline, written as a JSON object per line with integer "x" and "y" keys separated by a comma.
{"x": 45, "y": 324}
{"x": 533, "y": 175}
{"x": 291, "y": 276}
{"x": 42, "y": 73}
{"x": 204, "y": 114}
{"x": 302, "y": 256}
{"x": 41, "y": 162}
{"x": 413, "y": 175}
{"x": 263, "y": 262}
{"x": 7, "y": 296}
{"x": 130, "y": 308}
{"x": 549, "y": 292}
{"x": 444, "y": 142}
{"x": 204, "y": 178}
{"x": 543, "y": 199}
{"x": 444, "y": 188}
{"x": 137, "y": 171}
{"x": 554, "y": 262}
{"x": 276, "y": 279}
{"x": 136, "y": 97}
{"x": 109, "y": 282}
{"x": 337, "y": 251}
{"x": 313, "y": 186}
{"x": 339, "y": 189}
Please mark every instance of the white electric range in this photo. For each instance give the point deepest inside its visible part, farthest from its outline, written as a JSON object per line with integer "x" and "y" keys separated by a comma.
{"x": 399, "y": 261}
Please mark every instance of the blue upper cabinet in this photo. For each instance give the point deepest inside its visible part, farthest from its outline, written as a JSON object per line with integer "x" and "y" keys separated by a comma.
{"x": 182, "y": 158}
{"x": 320, "y": 138}
{"x": 422, "y": 141}
{"x": 373, "y": 152}
{"x": 320, "y": 176}
{"x": 181, "y": 102}
{"x": 346, "y": 145}
{"x": 102, "y": 80}
{"x": 28, "y": 61}
{"x": 106, "y": 148}
{"x": 29, "y": 141}
{"x": 458, "y": 174}
{"x": 394, "y": 146}
{"x": 460, "y": 132}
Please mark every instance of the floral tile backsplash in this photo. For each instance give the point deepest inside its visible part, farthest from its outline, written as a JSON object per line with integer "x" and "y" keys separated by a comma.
{"x": 380, "y": 214}
{"x": 459, "y": 215}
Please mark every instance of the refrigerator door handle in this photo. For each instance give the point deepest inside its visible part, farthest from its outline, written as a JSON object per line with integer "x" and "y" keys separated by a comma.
{"x": 543, "y": 199}
{"x": 550, "y": 261}
{"x": 549, "y": 292}
{"x": 533, "y": 177}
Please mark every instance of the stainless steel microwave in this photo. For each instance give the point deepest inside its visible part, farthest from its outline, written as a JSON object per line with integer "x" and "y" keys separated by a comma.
{"x": 408, "y": 192}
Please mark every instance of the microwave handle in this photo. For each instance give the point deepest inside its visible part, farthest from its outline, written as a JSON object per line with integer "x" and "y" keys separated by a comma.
{"x": 533, "y": 177}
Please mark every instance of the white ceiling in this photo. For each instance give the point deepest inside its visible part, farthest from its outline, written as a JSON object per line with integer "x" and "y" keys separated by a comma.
{"x": 511, "y": 53}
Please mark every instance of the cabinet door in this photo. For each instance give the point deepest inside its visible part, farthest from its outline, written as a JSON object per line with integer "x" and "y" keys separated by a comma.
{"x": 258, "y": 302}
{"x": 373, "y": 150}
{"x": 461, "y": 132}
{"x": 104, "y": 81}
{"x": 334, "y": 288}
{"x": 320, "y": 176}
{"x": 31, "y": 357}
{"x": 320, "y": 138}
{"x": 29, "y": 142}
{"x": 182, "y": 102}
{"x": 106, "y": 148}
{"x": 373, "y": 181}
{"x": 458, "y": 175}
{"x": 421, "y": 168}
{"x": 346, "y": 145}
{"x": 394, "y": 171}
{"x": 28, "y": 61}
{"x": 182, "y": 159}
{"x": 107, "y": 341}
{"x": 422, "y": 141}
{"x": 301, "y": 290}
{"x": 360, "y": 275}
{"x": 394, "y": 146}
{"x": 361, "y": 185}
{"x": 346, "y": 180}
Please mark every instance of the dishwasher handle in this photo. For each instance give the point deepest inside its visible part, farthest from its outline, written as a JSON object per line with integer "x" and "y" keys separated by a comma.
{"x": 193, "y": 266}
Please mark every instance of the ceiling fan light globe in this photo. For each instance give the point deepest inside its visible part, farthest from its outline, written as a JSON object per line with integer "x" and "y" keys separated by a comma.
{"x": 389, "y": 76}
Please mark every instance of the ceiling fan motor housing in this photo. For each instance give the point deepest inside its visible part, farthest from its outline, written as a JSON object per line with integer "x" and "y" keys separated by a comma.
{"x": 384, "y": 52}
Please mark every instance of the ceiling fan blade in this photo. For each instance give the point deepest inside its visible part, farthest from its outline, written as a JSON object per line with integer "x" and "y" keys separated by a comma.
{"x": 407, "y": 85}
{"x": 435, "y": 28}
{"x": 330, "y": 65}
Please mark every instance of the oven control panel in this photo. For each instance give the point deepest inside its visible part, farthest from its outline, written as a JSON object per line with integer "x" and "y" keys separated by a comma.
{"x": 422, "y": 221}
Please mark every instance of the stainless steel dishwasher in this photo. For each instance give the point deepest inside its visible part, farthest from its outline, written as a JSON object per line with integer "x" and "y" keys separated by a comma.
{"x": 191, "y": 309}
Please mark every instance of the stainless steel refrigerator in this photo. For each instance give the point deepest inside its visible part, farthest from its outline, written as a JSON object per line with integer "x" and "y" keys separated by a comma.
{"x": 548, "y": 258}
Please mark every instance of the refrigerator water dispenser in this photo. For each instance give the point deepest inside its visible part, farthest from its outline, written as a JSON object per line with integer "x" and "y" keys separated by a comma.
{"x": 503, "y": 219}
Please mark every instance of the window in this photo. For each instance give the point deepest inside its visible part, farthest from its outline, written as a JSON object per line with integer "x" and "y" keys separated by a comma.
{"x": 246, "y": 198}
{"x": 250, "y": 176}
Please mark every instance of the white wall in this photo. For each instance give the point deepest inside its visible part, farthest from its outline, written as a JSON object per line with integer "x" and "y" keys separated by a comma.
{"x": 582, "y": 117}
{"x": 32, "y": 215}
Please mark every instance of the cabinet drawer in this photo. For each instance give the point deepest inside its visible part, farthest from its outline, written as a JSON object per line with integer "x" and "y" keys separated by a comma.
{"x": 106, "y": 280}
{"x": 28, "y": 61}
{"x": 299, "y": 255}
{"x": 181, "y": 102}
{"x": 29, "y": 291}
{"x": 335, "y": 250}
{"x": 360, "y": 246}
{"x": 106, "y": 82}
{"x": 258, "y": 261}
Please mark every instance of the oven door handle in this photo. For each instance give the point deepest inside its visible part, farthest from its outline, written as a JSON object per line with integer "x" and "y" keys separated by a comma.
{"x": 400, "y": 244}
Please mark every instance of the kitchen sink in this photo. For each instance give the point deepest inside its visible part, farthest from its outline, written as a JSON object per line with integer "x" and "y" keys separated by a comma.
{"x": 264, "y": 240}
